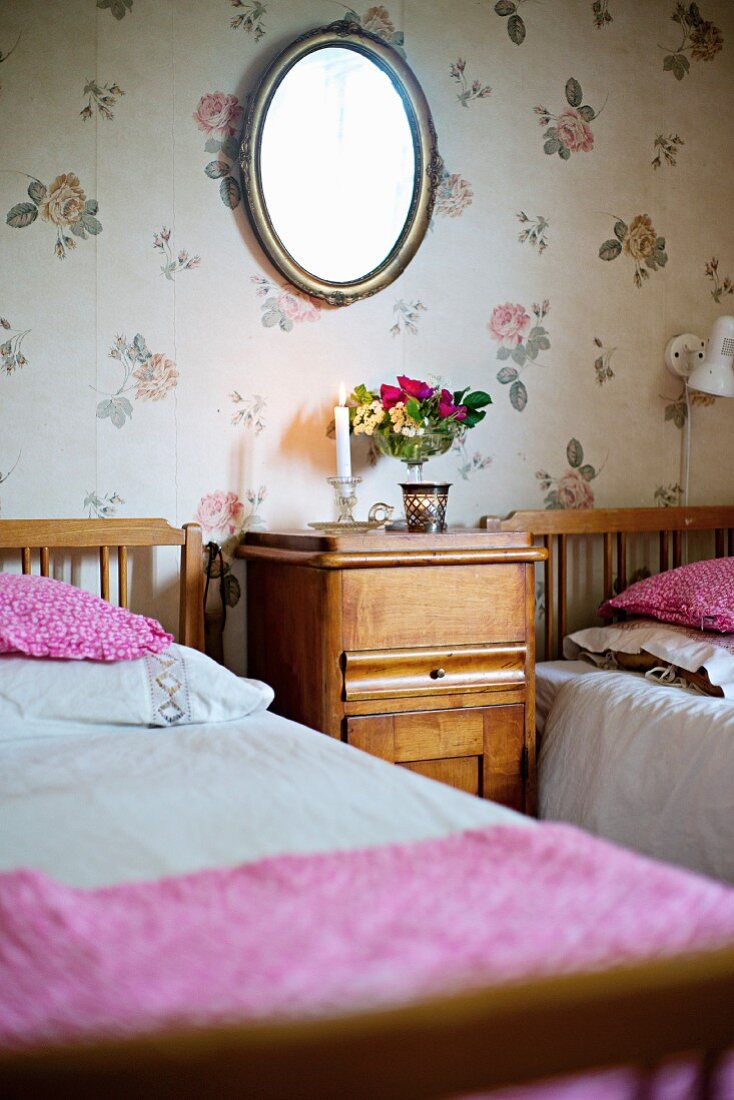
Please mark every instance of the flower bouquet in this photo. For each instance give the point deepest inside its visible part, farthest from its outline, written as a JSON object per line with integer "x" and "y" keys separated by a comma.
{"x": 414, "y": 421}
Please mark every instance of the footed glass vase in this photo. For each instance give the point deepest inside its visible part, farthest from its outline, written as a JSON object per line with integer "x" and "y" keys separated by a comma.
{"x": 424, "y": 501}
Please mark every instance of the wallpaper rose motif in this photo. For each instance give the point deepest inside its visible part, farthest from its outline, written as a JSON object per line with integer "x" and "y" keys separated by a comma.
{"x": 721, "y": 287}
{"x": 172, "y": 264}
{"x": 102, "y": 507}
{"x": 535, "y": 231}
{"x": 284, "y": 306}
{"x": 219, "y": 116}
{"x": 103, "y": 97}
{"x": 603, "y": 362}
{"x": 467, "y": 92}
{"x": 224, "y": 519}
{"x": 571, "y": 132}
{"x": 602, "y": 15}
{"x": 11, "y": 356}
{"x": 248, "y": 411}
{"x": 250, "y": 17}
{"x": 64, "y": 204}
{"x": 377, "y": 21}
{"x": 667, "y": 149}
{"x": 407, "y": 316}
{"x": 148, "y": 377}
{"x": 453, "y": 195}
{"x": 640, "y": 242}
{"x": 572, "y": 489}
{"x": 520, "y": 340}
{"x": 700, "y": 38}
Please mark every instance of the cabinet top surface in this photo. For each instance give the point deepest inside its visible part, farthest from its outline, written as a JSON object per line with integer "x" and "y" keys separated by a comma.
{"x": 390, "y": 547}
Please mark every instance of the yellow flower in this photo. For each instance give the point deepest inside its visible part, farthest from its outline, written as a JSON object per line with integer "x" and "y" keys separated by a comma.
{"x": 640, "y": 239}
{"x": 63, "y": 203}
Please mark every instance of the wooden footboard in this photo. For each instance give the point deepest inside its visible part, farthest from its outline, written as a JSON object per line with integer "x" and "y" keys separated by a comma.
{"x": 629, "y": 540}
{"x": 45, "y": 536}
{"x": 445, "y": 1047}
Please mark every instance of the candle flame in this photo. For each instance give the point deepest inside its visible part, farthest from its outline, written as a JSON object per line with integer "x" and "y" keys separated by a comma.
{"x": 342, "y": 394}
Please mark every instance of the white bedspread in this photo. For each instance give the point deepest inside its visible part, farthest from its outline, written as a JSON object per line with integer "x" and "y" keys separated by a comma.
{"x": 120, "y": 803}
{"x": 648, "y": 766}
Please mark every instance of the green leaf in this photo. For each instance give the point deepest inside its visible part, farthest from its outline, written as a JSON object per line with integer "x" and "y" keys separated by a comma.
{"x": 503, "y": 353}
{"x": 610, "y": 250}
{"x": 91, "y": 224}
{"x": 564, "y": 153}
{"x": 477, "y": 399}
{"x": 519, "y": 355}
{"x": 37, "y": 190}
{"x": 141, "y": 348}
{"x": 661, "y": 258}
{"x": 91, "y": 206}
{"x": 272, "y": 317}
{"x": 124, "y": 404}
{"x": 518, "y": 396}
{"x": 532, "y": 350}
{"x": 229, "y": 190}
{"x": 536, "y": 331}
{"x": 516, "y": 29}
{"x": 412, "y": 407}
{"x": 506, "y": 375}
{"x": 104, "y": 408}
{"x": 587, "y": 113}
{"x": 211, "y": 145}
{"x": 574, "y": 94}
{"x": 551, "y": 146}
{"x": 505, "y": 7}
{"x": 285, "y": 323}
{"x": 543, "y": 343}
{"x": 668, "y": 62}
{"x": 620, "y": 230}
{"x": 574, "y": 453}
{"x": 79, "y": 231}
{"x": 473, "y": 417}
{"x": 22, "y": 214}
{"x": 588, "y": 473}
{"x": 215, "y": 169}
{"x": 231, "y": 148}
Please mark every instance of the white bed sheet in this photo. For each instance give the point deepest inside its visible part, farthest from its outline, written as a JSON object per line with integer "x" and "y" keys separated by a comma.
{"x": 102, "y": 805}
{"x": 550, "y": 676}
{"x": 648, "y": 766}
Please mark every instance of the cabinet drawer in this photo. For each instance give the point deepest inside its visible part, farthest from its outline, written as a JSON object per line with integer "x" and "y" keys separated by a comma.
{"x": 397, "y": 673}
{"x": 439, "y": 606}
{"x": 430, "y": 742}
{"x": 464, "y": 772}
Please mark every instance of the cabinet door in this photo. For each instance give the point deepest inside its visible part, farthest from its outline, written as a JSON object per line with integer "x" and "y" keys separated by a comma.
{"x": 476, "y": 749}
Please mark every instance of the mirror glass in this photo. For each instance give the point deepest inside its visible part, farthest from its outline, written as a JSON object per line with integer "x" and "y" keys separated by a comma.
{"x": 337, "y": 164}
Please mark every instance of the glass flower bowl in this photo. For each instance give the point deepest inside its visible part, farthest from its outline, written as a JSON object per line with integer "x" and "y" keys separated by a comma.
{"x": 414, "y": 450}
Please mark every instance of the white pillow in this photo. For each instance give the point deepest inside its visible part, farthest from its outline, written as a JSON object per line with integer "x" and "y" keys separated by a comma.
{"x": 683, "y": 646}
{"x": 177, "y": 686}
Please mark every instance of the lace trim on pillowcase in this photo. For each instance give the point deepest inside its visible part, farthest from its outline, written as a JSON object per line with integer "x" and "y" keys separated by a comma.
{"x": 169, "y": 688}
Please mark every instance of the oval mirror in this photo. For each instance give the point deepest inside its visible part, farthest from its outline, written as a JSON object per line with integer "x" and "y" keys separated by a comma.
{"x": 340, "y": 163}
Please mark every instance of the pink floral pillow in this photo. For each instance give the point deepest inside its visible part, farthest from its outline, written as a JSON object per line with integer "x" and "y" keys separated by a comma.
{"x": 700, "y": 595}
{"x": 42, "y": 617}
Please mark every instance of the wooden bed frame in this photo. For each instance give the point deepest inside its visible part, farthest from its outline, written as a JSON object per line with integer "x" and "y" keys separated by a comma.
{"x": 441, "y": 1047}
{"x": 618, "y": 541}
{"x": 46, "y": 535}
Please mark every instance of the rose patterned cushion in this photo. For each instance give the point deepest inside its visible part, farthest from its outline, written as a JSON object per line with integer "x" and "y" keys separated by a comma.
{"x": 700, "y": 595}
{"x": 42, "y": 617}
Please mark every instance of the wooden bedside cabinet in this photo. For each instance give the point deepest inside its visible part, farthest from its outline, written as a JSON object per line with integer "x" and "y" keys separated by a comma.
{"x": 416, "y": 648}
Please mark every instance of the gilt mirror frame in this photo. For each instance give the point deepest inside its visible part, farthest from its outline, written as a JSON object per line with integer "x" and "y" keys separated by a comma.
{"x": 428, "y": 164}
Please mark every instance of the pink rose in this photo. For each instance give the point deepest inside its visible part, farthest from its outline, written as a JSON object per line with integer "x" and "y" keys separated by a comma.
{"x": 218, "y": 112}
{"x": 297, "y": 306}
{"x": 574, "y": 132}
{"x": 220, "y": 513}
{"x": 509, "y": 324}
{"x": 453, "y": 195}
{"x": 574, "y": 491}
{"x": 413, "y": 387}
{"x": 391, "y": 396}
{"x": 446, "y": 407}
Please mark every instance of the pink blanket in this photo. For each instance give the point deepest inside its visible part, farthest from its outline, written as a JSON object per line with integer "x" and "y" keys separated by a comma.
{"x": 342, "y": 930}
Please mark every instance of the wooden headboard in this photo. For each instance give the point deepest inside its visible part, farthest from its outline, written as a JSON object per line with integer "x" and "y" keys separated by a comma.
{"x": 624, "y": 536}
{"x": 48, "y": 535}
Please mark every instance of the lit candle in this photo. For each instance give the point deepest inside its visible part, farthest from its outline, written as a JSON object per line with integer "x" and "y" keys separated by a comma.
{"x": 341, "y": 424}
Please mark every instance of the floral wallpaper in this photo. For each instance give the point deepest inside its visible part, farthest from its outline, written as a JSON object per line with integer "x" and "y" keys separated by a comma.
{"x": 153, "y": 362}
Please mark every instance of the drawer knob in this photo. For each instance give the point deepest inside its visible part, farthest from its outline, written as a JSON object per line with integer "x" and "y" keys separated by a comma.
{"x": 438, "y": 673}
